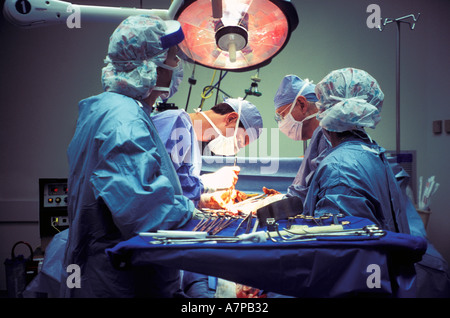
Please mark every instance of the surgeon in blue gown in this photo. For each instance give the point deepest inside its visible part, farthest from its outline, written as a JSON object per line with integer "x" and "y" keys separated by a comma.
{"x": 346, "y": 180}
{"x": 354, "y": 177}
{"x": 181, "y": 132}
{"x": 121, "y": 179}
{"x": 295, "y": 113}
{"x": 236, "y": 122}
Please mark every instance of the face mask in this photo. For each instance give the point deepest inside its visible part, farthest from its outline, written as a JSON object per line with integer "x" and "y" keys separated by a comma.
{"x": 177, "y": 78}
{"x": 221, "y": 145}
{"x": 291, "y": 127}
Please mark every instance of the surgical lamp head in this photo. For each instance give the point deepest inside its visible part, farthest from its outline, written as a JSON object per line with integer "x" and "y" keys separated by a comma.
{"x": 235, "y": 35}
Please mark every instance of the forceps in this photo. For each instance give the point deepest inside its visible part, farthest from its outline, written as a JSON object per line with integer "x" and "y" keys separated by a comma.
{"x": 371, "y": 231}
{"x": 248, "y": 219}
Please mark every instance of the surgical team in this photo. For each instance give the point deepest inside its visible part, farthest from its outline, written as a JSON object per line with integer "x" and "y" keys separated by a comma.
{"x": 128, "y": 173}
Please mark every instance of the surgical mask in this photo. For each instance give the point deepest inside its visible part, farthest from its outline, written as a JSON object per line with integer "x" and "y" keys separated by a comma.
{"x": 288, "y": 125}
{"x": 293, "y": 128}
{"x": 222, "y": 145}
{"x": 177, "y": 78}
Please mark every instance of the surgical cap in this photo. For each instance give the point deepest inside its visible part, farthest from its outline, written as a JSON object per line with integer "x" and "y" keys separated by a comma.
{"x": 250, "y": 117}
{"x": 349, "y": 99}
{"x": 137, "y": 46}
{"x": 289, "y": 88}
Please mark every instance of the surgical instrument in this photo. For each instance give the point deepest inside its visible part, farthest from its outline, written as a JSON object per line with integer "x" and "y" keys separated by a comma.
{"x": 174, "y": 234}
{"x": 215, "y": 222}
{"x": 227, "y": 221}
{"x": 240, "y": 224}
{"x": 257, "y": 237}
{"x": 331, "y": 231}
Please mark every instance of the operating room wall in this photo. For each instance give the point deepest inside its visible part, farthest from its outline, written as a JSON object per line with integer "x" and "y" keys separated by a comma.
{"x": 46, "y": 71}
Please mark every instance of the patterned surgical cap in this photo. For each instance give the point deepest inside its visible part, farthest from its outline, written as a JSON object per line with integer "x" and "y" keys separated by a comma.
{"x": 136, "y": 47}
{"x": 349, "y": 99}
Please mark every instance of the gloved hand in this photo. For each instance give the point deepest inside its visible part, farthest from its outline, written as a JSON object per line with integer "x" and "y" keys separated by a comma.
{"x": 243, "y": 291}
{"x": 197, "y": 214}
{"x": 224, "y": 178}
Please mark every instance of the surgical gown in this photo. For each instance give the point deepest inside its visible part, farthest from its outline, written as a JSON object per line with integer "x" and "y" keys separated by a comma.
{"x": 121, "y": 182}
{"x": 433, "y": 277}
{"x": 313, "y": 156}
{"x": 354, "y": 178}
{"x": 177, "y": 133}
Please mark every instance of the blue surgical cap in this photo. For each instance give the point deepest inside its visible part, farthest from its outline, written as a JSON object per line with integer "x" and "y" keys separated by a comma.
{"x": 349, "y": 99}
{"x": 289, "y": 88}
{"x": 136, "y": 47}
{"x": 250, "y": 116}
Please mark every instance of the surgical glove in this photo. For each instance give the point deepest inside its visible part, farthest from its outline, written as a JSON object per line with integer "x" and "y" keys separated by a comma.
{"x": 197, "y": 215}
{"x": 205, "y": 201}
{"x": 224, "y": 178}
{"x": 243, "y": 291}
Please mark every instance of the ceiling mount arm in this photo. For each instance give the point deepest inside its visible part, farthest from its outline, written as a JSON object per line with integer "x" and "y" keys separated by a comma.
{"x": 36, "y": 13}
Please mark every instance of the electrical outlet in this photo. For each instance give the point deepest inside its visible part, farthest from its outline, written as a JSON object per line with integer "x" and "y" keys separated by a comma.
{"x": 447, "y": 126}
{"x": 60, "y": 220}
{"x": 437, "y": 127}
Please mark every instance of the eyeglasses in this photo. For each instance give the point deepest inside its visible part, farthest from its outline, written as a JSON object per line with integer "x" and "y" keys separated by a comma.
{"x": 278, "y": 118}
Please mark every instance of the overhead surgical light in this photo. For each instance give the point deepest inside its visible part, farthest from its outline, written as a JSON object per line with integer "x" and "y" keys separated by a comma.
{"x": 235, "y": 35}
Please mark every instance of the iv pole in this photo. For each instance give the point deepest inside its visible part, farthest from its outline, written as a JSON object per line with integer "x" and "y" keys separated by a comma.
{"x": 397, "y": 70}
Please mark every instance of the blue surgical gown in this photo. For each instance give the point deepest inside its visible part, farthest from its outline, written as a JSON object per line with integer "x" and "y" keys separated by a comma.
{"x": 121, "y": 182}
{"x": 314, "y": 154}
{"x": 47, "y": 283}
{"x": 177, "y": 133}
{"x": 433, "y": 277}
{"x": 354, "y": 178}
